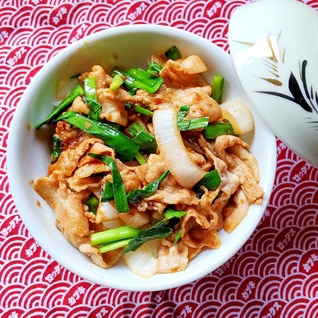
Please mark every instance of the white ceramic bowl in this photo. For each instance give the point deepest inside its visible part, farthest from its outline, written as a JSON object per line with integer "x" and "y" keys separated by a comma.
{"x": 28, "y": 155}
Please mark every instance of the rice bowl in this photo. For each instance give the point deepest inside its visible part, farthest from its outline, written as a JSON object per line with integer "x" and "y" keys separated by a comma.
{"x": 28, "y": 151}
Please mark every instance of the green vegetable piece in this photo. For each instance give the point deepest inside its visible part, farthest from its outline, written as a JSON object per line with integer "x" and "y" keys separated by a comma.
{"x": 140, "y": 158}
{"x": 57, "y": 148}
{"x": 171, "y": 213}
{"x": 94, "y": 109}
{"x": 77, "y": 91}
{"x": 162, "y": 229}
{"x": 141, "y": 79}
{"x": 217, "y": 88}
{"x": 91, "y": 98}
{"x": 183, "y": 111}
{"x": 173, "y": 53}
{"x": 118, "y": 184}
{"x": 143, "y": 111}
{"x": 142, "y": 137}
{"x": 132, "y": 238}
{"x": 111, "y": 136}
{"x": 211, "y": 181}
{"x": 114, "y": 246}
{"x": 90, "y": 88}
{"x": 137, "y": 78}
{"x": 116, "y": 82}
{"x": 192, "y": 123}
{"x": 154, "y": 68}
{"x": 108, "y": 192}
{"x": 217, "y": 129}
{"x": 177, "y": 237}
{"x": 159, "y": 230}
{"x": 113, "y": 235}
{"x": 92, "y": 203}
{"x": 137, "y": 195}
{"x": 139, "y": 109}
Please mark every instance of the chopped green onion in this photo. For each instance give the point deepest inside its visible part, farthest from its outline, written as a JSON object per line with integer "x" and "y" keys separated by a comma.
{"x": 108, "y": 192}
{"x": 144, "y": 80}
{"x": 140, "y": 158}
{"x": 137, "y": 195}
{"x": 114, "y": 245}
{"x": 113, "y": 235}
{"x": 211, "y": 181}
{"x": 171, "y": 213}
{"x": 139, "y": 109}
{"x": 132, "y": 238}
{"x": 137, "y": 78}
{"x": 94, "y": 109}
{"x": 91, "y": 98}
{"x": 57, "y": 147}
{"x": 110, "y": 135}
{"x": 154, "y": 68}
{"x": 217, "y": 88}
{"x": 177, "y": 237}
{"x": 162, "y": 229}
{"x": 217, "y": 129}
{"x": 143, "y": 111}
{"x": 77, "y": 91}
{"x": 192, "y": 123}
{"x": 116, "y": 82}
{"x": 120, "y": 199}
{"x": 183, "y": 111}
{"x": 159, "y": 230}
{"x": 90, "y": 87}
{"x": 142, "y": 137}
{"x": 173, "y": 53}
{"x": 92, "y": 203}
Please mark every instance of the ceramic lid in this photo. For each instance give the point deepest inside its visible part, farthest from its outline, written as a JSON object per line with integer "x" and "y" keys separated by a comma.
{"x": 274, "y": 47}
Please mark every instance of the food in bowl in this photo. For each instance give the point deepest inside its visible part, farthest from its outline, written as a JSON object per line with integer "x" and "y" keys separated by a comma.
{"x": 29, "y": 149}
{"x": 145, "y": 166}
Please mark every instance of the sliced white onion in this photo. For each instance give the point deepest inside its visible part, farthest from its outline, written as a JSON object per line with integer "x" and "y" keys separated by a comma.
{"x": 238, "y": 114}
{"x": 176, "y": 158}
{"x": 143, "y": 262}
{"x": 106, "y": 212}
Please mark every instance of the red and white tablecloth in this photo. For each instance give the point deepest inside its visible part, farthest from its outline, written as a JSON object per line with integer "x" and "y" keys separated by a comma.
{"x": 275, "y": 272}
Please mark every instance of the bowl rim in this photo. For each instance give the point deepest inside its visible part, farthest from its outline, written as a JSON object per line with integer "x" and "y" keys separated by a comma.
{"x": 166, "y": 282}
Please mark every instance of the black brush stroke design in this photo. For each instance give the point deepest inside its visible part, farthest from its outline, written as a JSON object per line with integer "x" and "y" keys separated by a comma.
{"x": 297, "y": 95}
{"x": 300, "y": 93}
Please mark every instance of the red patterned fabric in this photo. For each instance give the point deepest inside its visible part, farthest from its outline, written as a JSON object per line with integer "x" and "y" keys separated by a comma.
{"x": 275, "y": 274}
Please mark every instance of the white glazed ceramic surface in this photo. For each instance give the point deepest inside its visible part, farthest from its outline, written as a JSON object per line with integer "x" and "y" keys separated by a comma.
{"x": 274, "y": 46}
{"x": 28, "y": 151}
